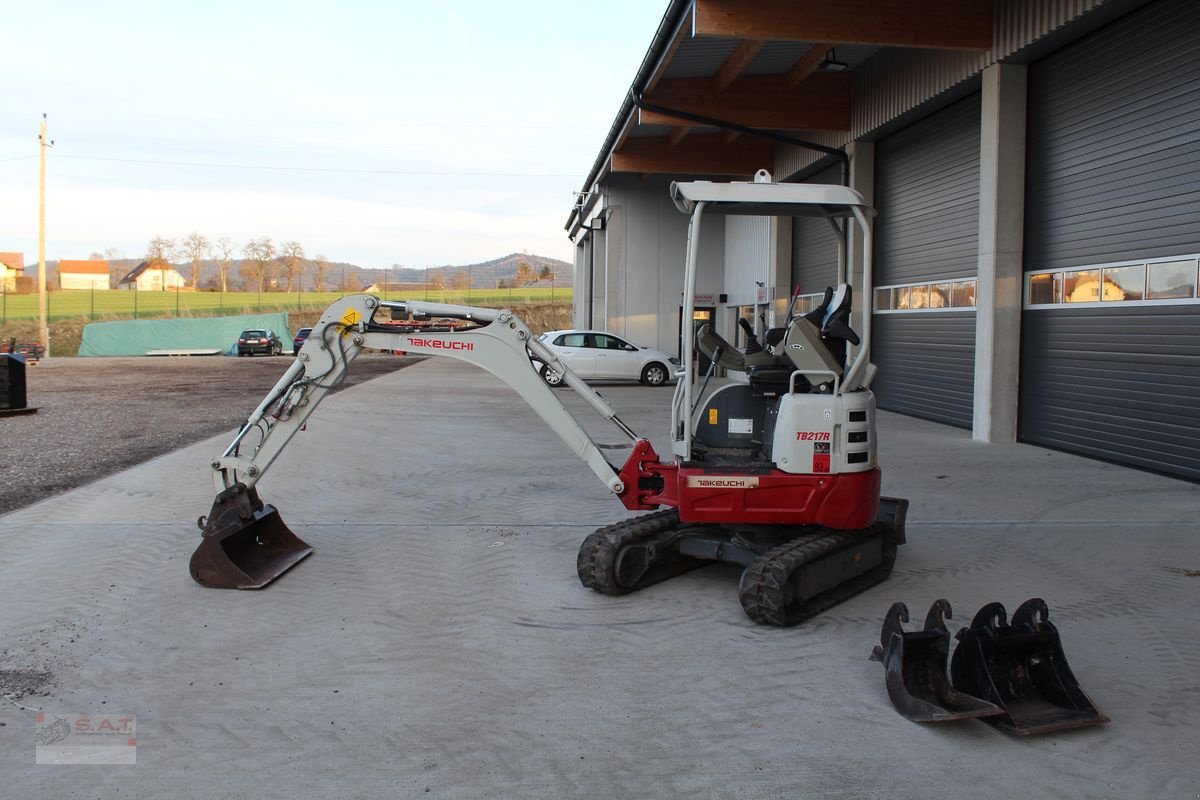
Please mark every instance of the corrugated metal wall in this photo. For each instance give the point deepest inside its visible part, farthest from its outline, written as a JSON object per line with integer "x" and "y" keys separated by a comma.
{"x": 814, "y": 244}
{"x": 927, "y": 193}
{"x": 1114, "y": 174}
{"x": 747, "y": 257}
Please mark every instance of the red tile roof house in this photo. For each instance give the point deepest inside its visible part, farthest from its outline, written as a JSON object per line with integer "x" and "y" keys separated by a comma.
{"x": 83, "y": 274}
{"x": 12, "y": 266}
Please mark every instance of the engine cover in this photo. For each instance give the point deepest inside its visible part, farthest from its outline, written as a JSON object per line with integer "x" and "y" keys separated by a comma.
{"x": 824, "y": 434}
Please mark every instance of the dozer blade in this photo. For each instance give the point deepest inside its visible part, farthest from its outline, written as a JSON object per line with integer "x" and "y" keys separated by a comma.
{"x": 1022, "y": 668}
{"x": 915, "y": 669}
{"x": 245, "y": 544}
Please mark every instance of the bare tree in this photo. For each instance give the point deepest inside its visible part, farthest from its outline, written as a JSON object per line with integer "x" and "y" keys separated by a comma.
{"x": 291, "y": 257}
{"x": 159, "y": 254}
{"x": 224, "y": 257}
{"x": 115, "y": 270}
{"x": 321, "y": 268}
{"x": 524, "y": 272}
{"x": 437, "y": 280}
{"x": 460, "y": 280}
{"x": 197, "y": 248}
{"x": 259, "y": 253}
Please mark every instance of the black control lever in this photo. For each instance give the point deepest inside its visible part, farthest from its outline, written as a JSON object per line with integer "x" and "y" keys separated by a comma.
{"x": 752, "y": 345}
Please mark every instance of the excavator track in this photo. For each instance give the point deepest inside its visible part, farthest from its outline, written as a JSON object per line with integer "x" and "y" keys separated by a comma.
{"x": 768, "y": 590}
{"x": 633, "y": 554}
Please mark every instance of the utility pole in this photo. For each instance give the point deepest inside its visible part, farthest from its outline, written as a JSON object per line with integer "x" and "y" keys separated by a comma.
{"x": 43, "y": 324}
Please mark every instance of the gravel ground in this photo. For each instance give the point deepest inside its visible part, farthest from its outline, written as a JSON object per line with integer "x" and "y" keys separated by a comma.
{"x": 97, "y": 416}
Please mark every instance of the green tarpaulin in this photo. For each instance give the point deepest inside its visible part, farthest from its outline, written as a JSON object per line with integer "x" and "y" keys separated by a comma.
{"x": 138, "y": 337}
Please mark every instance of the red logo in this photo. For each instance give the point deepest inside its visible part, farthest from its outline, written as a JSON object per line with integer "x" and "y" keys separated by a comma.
{"x": 441, "y": 344}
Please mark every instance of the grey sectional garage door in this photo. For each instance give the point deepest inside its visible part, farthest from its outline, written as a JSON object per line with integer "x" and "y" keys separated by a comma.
{"x": 814, "y": 245}
{"x": 927, "y": 194}
{"x": 1114, "y": 178}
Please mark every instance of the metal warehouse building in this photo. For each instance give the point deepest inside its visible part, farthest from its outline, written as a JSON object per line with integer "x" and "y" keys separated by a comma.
{"x": 1036, "y": 168}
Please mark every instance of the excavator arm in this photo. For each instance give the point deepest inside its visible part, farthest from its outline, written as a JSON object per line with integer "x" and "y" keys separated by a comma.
{"x": 245, "y": 544}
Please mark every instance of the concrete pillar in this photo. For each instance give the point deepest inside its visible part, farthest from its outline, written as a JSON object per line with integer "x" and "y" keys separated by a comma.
{"x": 998, "y": 291}
{"x": 862, "y": 180}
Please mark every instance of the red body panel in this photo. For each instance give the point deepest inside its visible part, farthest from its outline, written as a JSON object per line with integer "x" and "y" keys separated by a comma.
{"x": 844, "y": 501}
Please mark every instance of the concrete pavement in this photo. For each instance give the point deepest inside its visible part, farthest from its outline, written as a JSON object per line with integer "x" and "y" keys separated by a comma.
{"x": 438, "y": 643}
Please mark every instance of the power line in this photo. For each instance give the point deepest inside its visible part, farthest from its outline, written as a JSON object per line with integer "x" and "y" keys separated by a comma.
{"x": 208, "y": 165}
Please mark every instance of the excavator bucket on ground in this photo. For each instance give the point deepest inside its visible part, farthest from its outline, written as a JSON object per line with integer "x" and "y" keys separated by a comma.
{"x": 245, "y": 544}
{"x": 915, "y": 664}
{"x": 1022, "y": 668}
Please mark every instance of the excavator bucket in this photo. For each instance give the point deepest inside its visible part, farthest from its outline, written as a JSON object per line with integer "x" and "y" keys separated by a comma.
{"x": 915, "y": 669}
{"x": 245, "y": 544}
{"x": 1021, "y": 667}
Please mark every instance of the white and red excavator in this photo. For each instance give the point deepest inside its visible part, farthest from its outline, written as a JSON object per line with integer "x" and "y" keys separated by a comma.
{"x": 776, "y": 472}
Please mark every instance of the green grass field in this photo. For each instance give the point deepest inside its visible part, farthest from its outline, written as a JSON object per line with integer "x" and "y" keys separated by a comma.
{"x": 113, "y": 304}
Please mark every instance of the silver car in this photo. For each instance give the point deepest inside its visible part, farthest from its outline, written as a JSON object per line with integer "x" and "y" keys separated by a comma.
{"x": 597, "y": 355}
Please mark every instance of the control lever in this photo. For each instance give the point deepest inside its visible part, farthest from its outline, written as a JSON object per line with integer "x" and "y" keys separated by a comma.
{"x": 752, "y": 345}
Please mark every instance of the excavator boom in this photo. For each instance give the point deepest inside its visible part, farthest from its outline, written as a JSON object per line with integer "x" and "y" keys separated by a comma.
{"x": 245, "y": 543}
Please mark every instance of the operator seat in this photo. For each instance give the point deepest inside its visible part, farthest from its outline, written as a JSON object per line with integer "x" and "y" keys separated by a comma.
{"x": 832, "y": 317}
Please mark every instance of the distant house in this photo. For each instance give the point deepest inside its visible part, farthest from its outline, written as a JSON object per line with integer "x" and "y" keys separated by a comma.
{"x": 92, "y": 274}
{"x": 12, "y": 266}
{"x": 151, "y": 276}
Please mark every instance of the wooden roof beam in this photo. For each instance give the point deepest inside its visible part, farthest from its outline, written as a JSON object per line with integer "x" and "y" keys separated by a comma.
{"x": 941, "y": 24}
{"x": 821, "y": 103}
{"x": 697, "y": 155}
{"x": 736, "y": 64}
{"x": 678, "y": 135}
{"x": 806, "y": 64}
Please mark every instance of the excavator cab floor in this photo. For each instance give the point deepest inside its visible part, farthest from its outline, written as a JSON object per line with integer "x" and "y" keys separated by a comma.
{"x": 245, "y": 544}
{"x": 916, "y": 662}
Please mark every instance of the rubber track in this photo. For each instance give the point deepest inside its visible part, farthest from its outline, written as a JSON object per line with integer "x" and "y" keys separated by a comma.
{"x": 763, "y": 589}
{"x": 598, "y": 553}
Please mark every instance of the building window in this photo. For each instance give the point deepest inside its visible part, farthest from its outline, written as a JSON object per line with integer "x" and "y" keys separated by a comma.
{"x": 1171, "y": 280}
{"x": 1082, "y": 286}
{"x": 939, "y": 296}
{"x": 1045, "y": 288}
{"x": 1150, "y": 282}
{"x": 1124, "y": 283}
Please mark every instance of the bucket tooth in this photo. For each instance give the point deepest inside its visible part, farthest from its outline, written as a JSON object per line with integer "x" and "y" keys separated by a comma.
{"x": 245, "y": 544}
{"x": 1021, "y": 667}
{"x": 915, "y": 669}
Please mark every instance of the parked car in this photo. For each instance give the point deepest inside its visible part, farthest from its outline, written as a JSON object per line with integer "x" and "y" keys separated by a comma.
{"x": 298, "y": 342}
{"x": 259, "y": 340}
{"x": 597, "y": 355}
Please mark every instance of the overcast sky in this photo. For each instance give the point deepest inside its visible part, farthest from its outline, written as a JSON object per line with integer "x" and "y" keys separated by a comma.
{"x": 378, "y": 133}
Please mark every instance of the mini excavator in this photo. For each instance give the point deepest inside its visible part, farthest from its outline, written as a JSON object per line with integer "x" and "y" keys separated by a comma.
{"x": 776, "y": 473}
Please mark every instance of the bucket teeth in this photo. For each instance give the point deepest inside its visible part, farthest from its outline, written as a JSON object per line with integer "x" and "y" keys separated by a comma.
{"x": 245, "y": 544}
{"x": 915, "y": 669}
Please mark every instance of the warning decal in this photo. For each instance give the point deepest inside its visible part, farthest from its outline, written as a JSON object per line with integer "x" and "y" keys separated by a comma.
{"x": 352, "y": 317}
{"x": 712, "y": 416}
{"x": 820, "y": 457}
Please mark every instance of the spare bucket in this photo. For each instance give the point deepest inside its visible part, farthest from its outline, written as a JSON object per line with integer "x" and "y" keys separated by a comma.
{"x": 245, "y": 544}
{"x": 1022, "y": 668}
{"x": 915, "y": 669}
